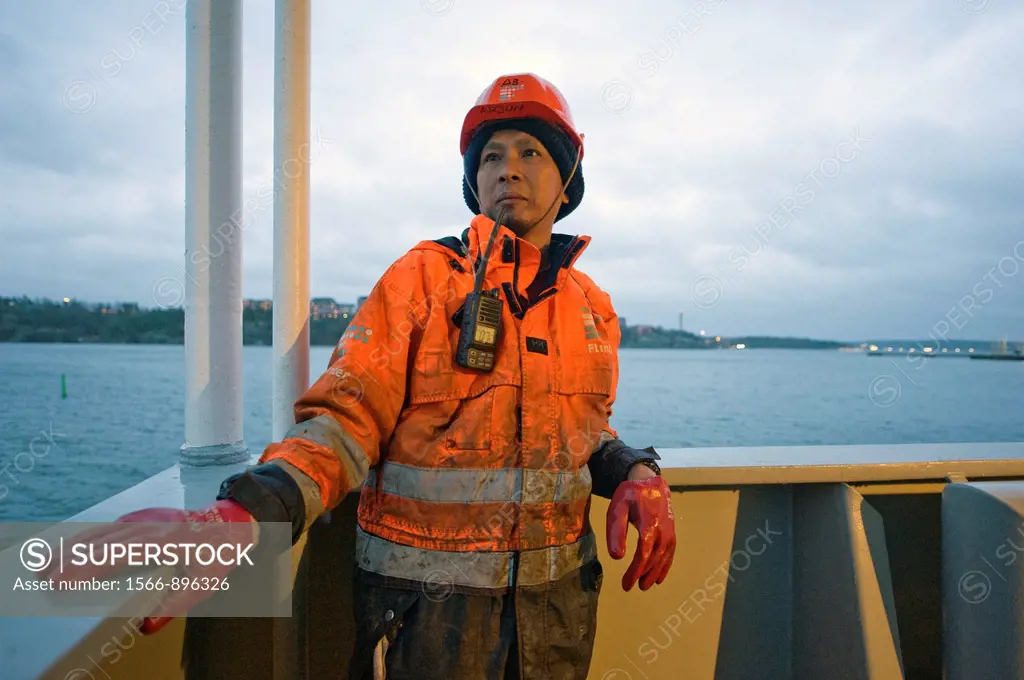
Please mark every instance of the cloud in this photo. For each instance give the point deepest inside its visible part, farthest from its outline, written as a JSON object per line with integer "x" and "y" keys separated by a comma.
{"x": 704, "y": 123}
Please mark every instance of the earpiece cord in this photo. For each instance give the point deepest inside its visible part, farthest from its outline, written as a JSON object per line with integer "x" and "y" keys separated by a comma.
{"x": 478, "y": 285}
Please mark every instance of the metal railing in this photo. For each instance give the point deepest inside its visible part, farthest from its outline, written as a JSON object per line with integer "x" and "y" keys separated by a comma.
{"x": 806, "y": 562}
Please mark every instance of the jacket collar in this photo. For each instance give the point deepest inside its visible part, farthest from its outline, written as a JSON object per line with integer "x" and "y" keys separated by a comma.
{"x": 514, "y": 262}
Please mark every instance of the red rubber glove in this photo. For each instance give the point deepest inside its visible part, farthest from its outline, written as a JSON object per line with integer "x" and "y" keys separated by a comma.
{"x": 647, "y": 505}
{"x": 175, "y": 526}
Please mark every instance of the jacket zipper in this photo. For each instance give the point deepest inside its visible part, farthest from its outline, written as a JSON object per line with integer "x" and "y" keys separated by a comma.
{"x": 514, "y": 565}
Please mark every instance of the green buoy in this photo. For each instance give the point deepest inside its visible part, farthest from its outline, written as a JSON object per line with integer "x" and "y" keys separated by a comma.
{"x": 63, "y": 386}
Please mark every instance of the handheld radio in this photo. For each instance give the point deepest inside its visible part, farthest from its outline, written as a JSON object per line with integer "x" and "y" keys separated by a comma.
{"x": 480, "y": 330}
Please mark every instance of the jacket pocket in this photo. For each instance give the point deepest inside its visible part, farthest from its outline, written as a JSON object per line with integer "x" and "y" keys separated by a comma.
{"x": 454, "y": 409}
{"x": 446, "y": 407}
{"x": 469, "y": 426}
{"x": 584, "y": 389}
{"x": 585, "y": 372}
{"x": 586, "y": 354}
{"x": 433, "y": 378}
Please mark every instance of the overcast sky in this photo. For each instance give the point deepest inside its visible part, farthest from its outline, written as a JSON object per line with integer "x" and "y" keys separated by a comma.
{"x": 834, "y": 170}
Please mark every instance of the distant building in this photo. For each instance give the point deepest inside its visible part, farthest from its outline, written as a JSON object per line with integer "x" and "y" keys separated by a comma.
{"x": 324, "y": 308}
{"x": 622, "y": 323}
{"x": 359, "y": 304}
{"x": 261, "y": 305}
{"x": 319, "y": 307}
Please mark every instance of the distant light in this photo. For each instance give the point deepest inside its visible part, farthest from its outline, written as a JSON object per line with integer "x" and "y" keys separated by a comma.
{"x": 957, "y": 349}
{"x": 888, "y": 349}
{"x": 873, "y": 348}
{"x": 741, "y": 346}
{"x": 702, "y": 332}
{"x": 345, "y": 316}
{"x": 971, "y": 349}
{"x": 718, "y": 338}
{"x": 66, "y": 300}
{"x": 927, "y": 349}
{"x": 944, "y": 350}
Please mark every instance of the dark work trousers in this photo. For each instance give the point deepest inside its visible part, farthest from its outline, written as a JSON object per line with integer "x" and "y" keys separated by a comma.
{"x": 449, "y": 633}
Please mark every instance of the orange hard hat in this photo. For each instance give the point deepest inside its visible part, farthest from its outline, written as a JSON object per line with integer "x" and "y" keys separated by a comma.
{"x": 527, "y": 102}
{"x": 520, "y": 95}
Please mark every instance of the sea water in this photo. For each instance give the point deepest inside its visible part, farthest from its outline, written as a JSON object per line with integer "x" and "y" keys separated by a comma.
{"x": 123, "y": 418}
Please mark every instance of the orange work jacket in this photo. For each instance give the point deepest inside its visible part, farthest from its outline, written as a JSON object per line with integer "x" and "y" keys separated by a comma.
{"x": 475, "y": 478}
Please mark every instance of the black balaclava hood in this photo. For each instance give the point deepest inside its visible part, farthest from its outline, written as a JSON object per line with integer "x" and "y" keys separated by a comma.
{"x": 557, "y": 143}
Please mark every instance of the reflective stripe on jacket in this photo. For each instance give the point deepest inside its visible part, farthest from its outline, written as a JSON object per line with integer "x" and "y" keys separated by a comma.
{"x": 489, "y": 468}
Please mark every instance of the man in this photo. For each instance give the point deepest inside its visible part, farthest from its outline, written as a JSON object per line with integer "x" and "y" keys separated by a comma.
{"x": 475, "y": 558}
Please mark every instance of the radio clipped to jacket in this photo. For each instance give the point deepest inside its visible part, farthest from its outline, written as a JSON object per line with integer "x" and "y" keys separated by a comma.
{"x": 480, "y": 330}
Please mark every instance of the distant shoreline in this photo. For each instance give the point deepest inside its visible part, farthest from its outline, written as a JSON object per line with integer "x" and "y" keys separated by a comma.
{"x": 73, "y": 322}
{"x": 694, "y": 348}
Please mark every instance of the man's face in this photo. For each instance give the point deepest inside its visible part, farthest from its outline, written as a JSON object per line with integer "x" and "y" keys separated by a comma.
{"x": 517, "y": 174}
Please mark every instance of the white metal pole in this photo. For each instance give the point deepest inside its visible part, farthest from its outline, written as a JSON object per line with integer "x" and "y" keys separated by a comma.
{"x": 291, "y": 209}
{"x": 213, "y": 245}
